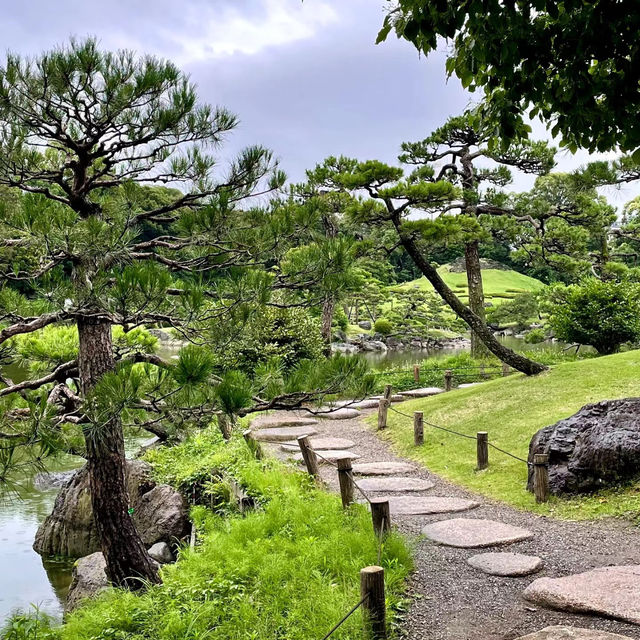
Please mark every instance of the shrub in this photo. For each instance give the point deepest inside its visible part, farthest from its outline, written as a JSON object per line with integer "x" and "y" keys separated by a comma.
{"x": 603, "y": 314}
{"x": 340, "y": 320}
{"x": 519, "y": 311}
{"x": 535, "y": 336}
{"x": 383, "y": 326}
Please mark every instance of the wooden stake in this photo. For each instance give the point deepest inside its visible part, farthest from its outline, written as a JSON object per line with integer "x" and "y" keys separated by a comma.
{"x": 383, "y": 407}
{"x": 346, "y": 483}
{"x": 448, "y": 378}
{"x": 506, "y": 369}
{"x": 482, "y": 439}
{"x": 372, "y": 592}
{"x": 416, "y": 373}
{"x": 418, "y": 428}
{"x": 380, "y": 515}
{"x": 541, "y": 477}
{"x": 309, "y": 456}
{"x": 253, "y": 444}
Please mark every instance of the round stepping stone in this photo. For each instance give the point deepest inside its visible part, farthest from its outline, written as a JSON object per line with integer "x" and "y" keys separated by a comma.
{"x": 466, "y": 385}
{"x": 338, "y": 414}
{"x": 396, "y": 397}
{"x": 572, "y": 633}
{"x": 374, "y": 485}
{"x": 274, "y": 420}
{"x": 366, "y": 404}
{"x": 282, "y": 434}
{"x": 473, "y": 533}
{"x": 506, "y": 564}
{"x": 613, "y": 592}
{"x": 424, "y": 392}
{"x": 330, "y": 456}
{"x": 420, "y": 505}
{"x": 321, "y": 443}
{"x": 381, "y": 468}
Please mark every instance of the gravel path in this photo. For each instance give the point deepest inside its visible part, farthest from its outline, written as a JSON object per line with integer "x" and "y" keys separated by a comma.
{"x": 452, "y": 601}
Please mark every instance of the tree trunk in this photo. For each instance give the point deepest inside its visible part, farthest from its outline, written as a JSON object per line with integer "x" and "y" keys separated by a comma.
{"x": 128, "y": 564}
{"x": 513, "y": 359}
{"x": 328, "y": 307}
{"x": 476, "y": 293}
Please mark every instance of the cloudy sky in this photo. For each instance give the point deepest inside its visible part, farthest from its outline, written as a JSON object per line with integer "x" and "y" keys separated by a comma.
{"x": 305, "y": 78}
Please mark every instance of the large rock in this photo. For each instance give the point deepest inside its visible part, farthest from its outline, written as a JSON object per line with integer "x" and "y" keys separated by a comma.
{"x": 597, "y": 447}
{"x": 161, "y": 553}
{"x": 613, "y": 592}
{"x": 159, "y": 513}
{"x": 572, "y": 633}
{"x": 88, "y": 580}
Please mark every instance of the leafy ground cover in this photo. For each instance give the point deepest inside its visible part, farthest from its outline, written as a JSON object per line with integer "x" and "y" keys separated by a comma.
{"x": 289, "y": 569}
{"x": 511, "y": 410}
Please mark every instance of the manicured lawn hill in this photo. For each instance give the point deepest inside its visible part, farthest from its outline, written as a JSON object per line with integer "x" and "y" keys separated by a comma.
{"x": 288, "y": 570}
{"x": 512, "y": 409}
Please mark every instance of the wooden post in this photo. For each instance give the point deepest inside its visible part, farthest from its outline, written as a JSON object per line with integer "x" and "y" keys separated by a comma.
{"x": 253, "y": 444}
{"x": 223, "y": 424}
{"x": 482, "y": 439}
{"x": 416, "y": 373}
{"x": 309, "y": 456}
{"x": 506, "y": 369}
{"x": 482, "y": 371}
{"x": 418, "y": 428}
{"x": 383, "y": 407}
{"x": 346, "y": 483}
{"x": 380, "y": 515}
{"x": 541, "y": 477}
{"x": 448, "y": 377}
{"x": 372, "y": 592}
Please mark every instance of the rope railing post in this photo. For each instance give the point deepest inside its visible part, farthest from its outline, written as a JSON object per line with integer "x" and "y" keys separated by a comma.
{"x": 448, "y": 378}
{"x": 418, "y": 428}
{"x": 346, "y": 482}
{"x": 383, "y": 407}
{"x": 372, "y": 593}
{"x": 380, "y": 516}
{"x": 482, "y": 438}
{"x": 253, "y": 444}
{"x": 416, "y": 373}
{"x": 309, "y": 456}
{"x": 541, "y": 477}
{"x": 506, "y": 369}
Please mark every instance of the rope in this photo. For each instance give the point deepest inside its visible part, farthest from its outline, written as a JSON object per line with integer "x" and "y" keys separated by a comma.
{"x": 508, "y": 454}
{"x": 349, "y": 474}
{"x": 346, "y": 617}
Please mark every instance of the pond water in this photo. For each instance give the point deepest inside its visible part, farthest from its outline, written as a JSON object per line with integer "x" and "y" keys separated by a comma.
{"x": 28, "y": 579}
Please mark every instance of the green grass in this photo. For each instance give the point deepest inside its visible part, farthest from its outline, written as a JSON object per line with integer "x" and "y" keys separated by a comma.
{"x": 289, "y": 569}
{"x": 512, "y": 409}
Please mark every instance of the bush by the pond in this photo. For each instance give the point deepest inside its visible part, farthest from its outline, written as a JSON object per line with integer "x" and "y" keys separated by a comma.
{"x": 383, "y": 326}
{"x": 535, "y": 336}
{"x": 289, "y": 570}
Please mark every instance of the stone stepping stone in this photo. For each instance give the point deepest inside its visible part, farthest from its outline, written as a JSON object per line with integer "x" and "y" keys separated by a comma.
{"x": 274, "y": 420}
{"x": 381, "y": 468}
{"x": 282, "y": 434}
{"x": 421, "y": 505}
{"x": 506, "y": 564}
{"x": 396, "y": 397}
{"x": 471, "y": 533}
{"x": 572, "y": 633}
{"x": 338, "y": 414}
{"x": 466, "y": 385}
{"x": 330, "y": 456}
{"x": 366, "y": 404}
{"x": 374, "y": 485}
{"x": 321, "y": 443}
{"x": 613, "y": 592}
{"x": 424, "y": 392}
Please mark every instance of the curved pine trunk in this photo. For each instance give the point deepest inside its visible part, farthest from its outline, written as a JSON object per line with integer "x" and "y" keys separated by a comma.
{"x": 328, "y": 307}
{"x": 128, "y": 564}
{"x": 476, "y": 293}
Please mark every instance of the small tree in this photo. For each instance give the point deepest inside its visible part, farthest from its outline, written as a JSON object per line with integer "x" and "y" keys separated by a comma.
{"x": 603, "y": 314}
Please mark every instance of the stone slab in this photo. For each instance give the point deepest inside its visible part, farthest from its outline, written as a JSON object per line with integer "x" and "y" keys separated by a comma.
{"x": 394, "y": 483}
{"x": 425, "y": 505}
{"x": 282, "y": 434}
{"x": 381, "y": 468}
{"x": 506, "y": 564}
{"x": 330, "y": 456}
{"x": 366, "y": 404}
{"x": 423, "y": 392}
{"x": 466, "y": 385}
{"x": 572, "y": 633}
{"x": 338, "y": 414}
{"x": 613, "y": 592}
{"x": 321, "y": 443}
{"x": 471, "y": 533}
{"x": 275, "y": 420}
{"x": 396, "y": 397}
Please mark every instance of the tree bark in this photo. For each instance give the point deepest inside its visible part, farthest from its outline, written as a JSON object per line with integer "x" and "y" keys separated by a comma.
{"x": 513, "y": 359}
{"x": 328, "y": 307}
{"x": 476, "y": 293}
{"x": 128, "y": 564}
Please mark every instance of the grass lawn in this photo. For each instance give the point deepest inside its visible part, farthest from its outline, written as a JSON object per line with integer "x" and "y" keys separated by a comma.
{"x": 512, "y": 409}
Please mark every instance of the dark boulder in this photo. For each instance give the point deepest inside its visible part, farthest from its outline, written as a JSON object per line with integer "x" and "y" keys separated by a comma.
{"x": 597, "y": 447}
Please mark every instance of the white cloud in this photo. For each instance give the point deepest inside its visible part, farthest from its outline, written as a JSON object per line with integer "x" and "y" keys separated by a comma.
{"x": 220, "y": 31}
